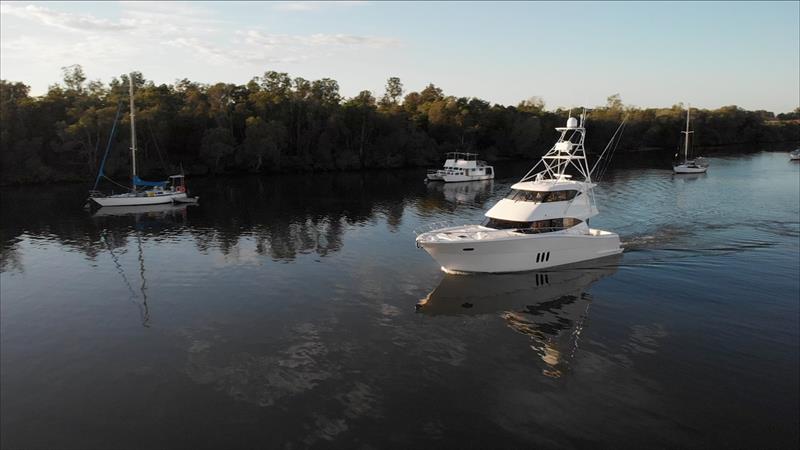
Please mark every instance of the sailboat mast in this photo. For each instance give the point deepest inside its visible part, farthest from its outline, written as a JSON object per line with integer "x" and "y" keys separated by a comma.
{"x": 686, "y": 144}
{"x": 133, "y": 132}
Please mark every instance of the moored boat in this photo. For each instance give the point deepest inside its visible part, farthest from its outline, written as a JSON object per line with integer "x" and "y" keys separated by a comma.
{"x": 459, "y": 167}
{"x": 794, "y": 155}
{"x": 141, "y": 192}
{"x": 697, "y": 165}
{"x": 543, "y": 222}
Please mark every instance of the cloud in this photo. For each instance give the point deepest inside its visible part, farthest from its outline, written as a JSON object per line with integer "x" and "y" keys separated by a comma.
{"x": 157, "y": 37}
{"x": 65, "y": 21}
{"x": 267, "y": 40}
{"x": 313, "y": 6}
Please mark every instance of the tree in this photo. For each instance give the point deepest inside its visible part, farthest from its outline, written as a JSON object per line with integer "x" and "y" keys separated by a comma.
{"x": 73, "y": 77}
{"x": 264, "y": 142}
{"x": 217, "y": 144}
{"x": 431, "y": 94}
{"x": 326, "y": 91}
{"x": 614, "y": 102}
{"x": 394, "y": 90}
{"x": 533, "y": 105}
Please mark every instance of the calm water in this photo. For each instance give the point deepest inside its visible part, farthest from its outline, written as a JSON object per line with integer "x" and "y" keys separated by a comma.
{"x": 282, "y": 313}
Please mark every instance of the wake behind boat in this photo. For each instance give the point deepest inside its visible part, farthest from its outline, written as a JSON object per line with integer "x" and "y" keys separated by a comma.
{"x": 543, "y": 222}
{"x": 160, "y": 191}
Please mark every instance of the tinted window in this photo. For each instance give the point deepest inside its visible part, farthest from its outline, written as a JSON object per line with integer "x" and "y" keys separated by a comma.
{"x": 539, "y": 226}
{"x": 541, "y": 196}
{"x": 499, "y": 224}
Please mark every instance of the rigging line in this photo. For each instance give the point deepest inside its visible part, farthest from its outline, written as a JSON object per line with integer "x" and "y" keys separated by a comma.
{"x": 120, "y": 185}
{"x": 615, "y": 140}
{"x": 621, "y": 130}
{"x": 108, "y": 147}
{"x": 600, "y": 158}
{"x": 158, "y": 149}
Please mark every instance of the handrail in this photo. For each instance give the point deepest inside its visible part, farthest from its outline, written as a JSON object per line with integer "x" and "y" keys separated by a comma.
{"x": 485, "y": 230}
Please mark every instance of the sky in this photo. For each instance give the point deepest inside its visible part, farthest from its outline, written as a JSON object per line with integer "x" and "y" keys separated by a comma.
{"x": 654, "y": 54}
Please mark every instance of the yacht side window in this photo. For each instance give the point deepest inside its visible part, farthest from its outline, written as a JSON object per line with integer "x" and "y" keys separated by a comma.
{"x": 570, "y": 222}
{"x": 499, "y": 224}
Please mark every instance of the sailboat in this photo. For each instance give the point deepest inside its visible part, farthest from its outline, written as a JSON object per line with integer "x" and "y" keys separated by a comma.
{"x": 543, "y": 222}
{"x": 153, "y": 192}
{"x": 698, "y": 165}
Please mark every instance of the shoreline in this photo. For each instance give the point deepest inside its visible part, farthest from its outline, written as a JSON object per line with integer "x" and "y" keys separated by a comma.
{"x": 641, "y": 155}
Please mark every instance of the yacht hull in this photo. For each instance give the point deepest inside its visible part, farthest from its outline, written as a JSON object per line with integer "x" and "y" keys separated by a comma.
{"x": 528, "y": 252}
{"x": 129, "y": 200}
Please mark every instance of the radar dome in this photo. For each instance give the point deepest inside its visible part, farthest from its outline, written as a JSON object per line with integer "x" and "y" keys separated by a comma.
{"x": 572, "y": 122}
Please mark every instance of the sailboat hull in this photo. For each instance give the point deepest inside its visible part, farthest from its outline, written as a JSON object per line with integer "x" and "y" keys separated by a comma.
{"x": 528, "y": 252}
{"x": 136, "y": 200}
{"x": 688, "y": 169}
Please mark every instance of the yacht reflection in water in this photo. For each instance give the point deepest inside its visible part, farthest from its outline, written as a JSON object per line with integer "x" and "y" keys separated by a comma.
{"x": 468, "y": 192}
{"x": 145, "y": 218}
{"x": 550, "y": 307}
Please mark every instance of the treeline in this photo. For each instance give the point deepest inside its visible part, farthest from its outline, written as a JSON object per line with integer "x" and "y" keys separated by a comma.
{"x": 276, "y": 123}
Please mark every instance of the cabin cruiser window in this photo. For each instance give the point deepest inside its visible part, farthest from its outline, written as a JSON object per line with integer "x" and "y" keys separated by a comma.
{"x": 499, "y": 224}
{"x": 542, "y": 196}
{"x": 539, "y": 226}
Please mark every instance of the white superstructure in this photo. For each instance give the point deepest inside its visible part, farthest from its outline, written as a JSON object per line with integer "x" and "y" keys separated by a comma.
{"x": 462, "y": 167}
{"x": 543, "y": 222}
{"x": 698, "y": 165}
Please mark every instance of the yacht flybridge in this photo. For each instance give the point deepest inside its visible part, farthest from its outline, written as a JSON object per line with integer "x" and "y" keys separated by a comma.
{"x": 169, "y": 191}
{"x": 462, "y": 167}
{"x": 543, "y": 222}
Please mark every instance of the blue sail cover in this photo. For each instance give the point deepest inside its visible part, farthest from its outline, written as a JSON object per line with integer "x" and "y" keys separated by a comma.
{"x": 140, "y": 182}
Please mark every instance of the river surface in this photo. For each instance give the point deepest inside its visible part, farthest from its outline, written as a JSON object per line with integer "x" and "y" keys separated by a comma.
{"x": 296, "y": 311}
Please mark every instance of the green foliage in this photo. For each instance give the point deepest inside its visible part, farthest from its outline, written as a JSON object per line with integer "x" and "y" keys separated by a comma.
{"x": 277, "y": 123}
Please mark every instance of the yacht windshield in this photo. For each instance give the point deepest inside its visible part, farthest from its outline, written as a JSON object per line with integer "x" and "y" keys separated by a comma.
{"x": 542, "y": 196}
{"x": 539, "y": 226}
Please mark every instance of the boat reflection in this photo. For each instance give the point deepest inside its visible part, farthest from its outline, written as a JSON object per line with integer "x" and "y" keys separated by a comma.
{"x": 163, "y": 209}
{"x": 115, "y": 241}
{"x": 466, "y": 192}
{"x": 550, "y": 307}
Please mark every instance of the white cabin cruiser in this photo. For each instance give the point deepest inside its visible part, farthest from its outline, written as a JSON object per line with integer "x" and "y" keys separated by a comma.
{"x": 794, "y": 155}
{"x": 543, "y": 222}
{"x": 697, "y": 165}
{"x": 460, "y": 167}
{"x": 159, "y": 192}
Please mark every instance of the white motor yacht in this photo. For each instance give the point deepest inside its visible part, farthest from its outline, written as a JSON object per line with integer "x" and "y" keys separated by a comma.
{"x": 697, "y": 165}
{"x": 794, "y": 155}
{"x": 153, "y": 192}
{"x": 460, "y": 167}
{"x": 543, "y": 222}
